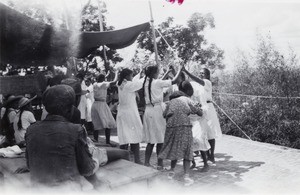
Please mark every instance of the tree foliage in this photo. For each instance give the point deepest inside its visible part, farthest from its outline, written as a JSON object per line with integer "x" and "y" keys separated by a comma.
{"x": 185, "y": 42}
{"x": 263, "y": 72}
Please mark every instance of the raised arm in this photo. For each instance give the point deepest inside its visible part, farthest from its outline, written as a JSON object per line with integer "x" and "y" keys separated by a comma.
{"x": 174, "y": 80}
{"x": 115, "y": 79}
{"x": 198, "y": 80}
{"x": 166, "y": 74}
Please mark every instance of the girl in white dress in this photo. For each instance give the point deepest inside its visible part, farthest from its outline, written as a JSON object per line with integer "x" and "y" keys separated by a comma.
{"x": 200, "y": 126}
{"x": 89, "y": 103}
{"x": 154, "y": 123}
{"x": 214, "y": 130}
{"x": 101, "y": 115}
{"x": 82, "y": 104}
{"x": 130, "y": 128}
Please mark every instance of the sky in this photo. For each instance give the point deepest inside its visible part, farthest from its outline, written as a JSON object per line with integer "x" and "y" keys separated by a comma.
{"x": 237, "y": 21}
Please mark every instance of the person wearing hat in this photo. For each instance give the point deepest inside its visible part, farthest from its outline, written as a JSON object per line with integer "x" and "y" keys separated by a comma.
{"x": 10, "y": 105}
{"x": 58, "y": 151}
{"x": 23, "y": 119}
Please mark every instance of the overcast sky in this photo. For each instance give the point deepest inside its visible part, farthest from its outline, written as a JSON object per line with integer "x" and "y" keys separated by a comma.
{"x": 237, "y": 21}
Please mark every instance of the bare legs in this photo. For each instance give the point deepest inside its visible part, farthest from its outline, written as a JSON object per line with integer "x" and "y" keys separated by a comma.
{"x": 148, "y": 154}
{"x": 211, "y": 152}
{"x": 135, "y": 148}
{"x": 107, "y": 136}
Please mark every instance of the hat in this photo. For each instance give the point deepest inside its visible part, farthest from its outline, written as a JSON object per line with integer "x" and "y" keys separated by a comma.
{"x": 24, "y": 101}
{"x": 11, "y": 99}
{"x": 58, "y": 98}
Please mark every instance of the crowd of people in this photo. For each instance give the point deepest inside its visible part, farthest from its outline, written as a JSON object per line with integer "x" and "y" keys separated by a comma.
{"x": 179, "y": 119}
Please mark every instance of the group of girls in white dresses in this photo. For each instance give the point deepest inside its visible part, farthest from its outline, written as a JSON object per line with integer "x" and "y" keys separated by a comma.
{"x": 185, "y": 124}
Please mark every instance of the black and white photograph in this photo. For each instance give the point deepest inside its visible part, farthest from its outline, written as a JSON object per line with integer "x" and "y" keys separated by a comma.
{"x": 149, "y": 96}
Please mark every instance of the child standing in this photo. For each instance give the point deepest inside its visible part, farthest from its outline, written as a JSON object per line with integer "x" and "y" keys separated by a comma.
{"x": 178, "y": 138}
{"x": 214, "y": 131}
{"x": 154, "y": 123}
{"x": 130, "y": 128}
{"x": 200, "y": 127}
{"x": 101, "y": 114}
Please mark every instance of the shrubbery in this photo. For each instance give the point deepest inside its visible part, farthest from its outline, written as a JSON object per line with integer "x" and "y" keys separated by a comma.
{"x": 265, "y": 72}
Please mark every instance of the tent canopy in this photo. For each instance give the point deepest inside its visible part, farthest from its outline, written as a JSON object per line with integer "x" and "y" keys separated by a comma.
{"x": 28, "y": 42}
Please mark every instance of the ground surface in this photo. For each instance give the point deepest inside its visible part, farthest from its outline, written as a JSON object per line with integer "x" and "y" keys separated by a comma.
{"x": 242, "y": 166}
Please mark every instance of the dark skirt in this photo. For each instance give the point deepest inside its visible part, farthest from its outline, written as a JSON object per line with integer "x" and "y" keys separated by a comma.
{"x": 177, "y": 143}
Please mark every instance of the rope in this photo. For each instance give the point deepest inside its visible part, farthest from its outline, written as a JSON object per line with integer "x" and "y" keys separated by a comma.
{"x": 173, "y": 50}
{"x": 257, "y": 96}
{"x": 232, "y": 120}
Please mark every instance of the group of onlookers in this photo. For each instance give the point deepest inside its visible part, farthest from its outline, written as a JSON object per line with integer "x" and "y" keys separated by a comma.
{"x": 179, "y": 119}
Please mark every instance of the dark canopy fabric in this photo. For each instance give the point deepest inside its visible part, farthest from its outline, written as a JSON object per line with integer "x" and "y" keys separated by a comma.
{"x": 116, "y": 39}
{"x": 28, "y": 42}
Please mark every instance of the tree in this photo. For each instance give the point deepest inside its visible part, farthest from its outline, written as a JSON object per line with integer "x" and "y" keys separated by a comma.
{"x": 81, "y": 19}
{"x": 265, "y": 71}
{"x": 188, "y": 43}
{"x": 90, "y": 22}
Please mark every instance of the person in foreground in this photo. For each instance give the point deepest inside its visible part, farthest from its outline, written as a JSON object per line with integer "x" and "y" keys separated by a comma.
{"x": 178, "y": 137}
{"x": 58, "y": 151}
{"x": 214, "y": 129}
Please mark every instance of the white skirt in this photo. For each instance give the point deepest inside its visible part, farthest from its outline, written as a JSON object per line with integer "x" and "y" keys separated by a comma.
{"x": 130, "y": 127}
{"x": 214, "y": 131}
{"x": 154, "y": 124}
{"x": 199, "y": 129}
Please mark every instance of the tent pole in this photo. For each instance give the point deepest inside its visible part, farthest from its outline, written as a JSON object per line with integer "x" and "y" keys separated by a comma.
{"x": 101, "y": 30}
{"x": 153, "y": 34}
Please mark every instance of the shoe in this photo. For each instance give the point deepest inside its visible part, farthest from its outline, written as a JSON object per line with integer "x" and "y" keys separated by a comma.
{"x": 171, "y": 175}
{"x": 188, "y": 181}
{"x": 205, "y": 169}
{"x": 211, "y": 160}
{"x": 193, "y": 165}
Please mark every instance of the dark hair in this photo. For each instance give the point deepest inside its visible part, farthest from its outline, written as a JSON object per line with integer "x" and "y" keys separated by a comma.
{"x": 207, "y": 73}
{"x": 149, "y": 72}
{"x": 28, "y": 108}
{"x": 100, "y": 78}
{"x": 186, "y": 87}
{"x": 123, "y": 74}
{"x": 182, "y": 76}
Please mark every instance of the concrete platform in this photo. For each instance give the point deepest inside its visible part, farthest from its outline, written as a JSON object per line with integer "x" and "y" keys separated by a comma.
{"x": 242, "y": 166}
{"x": 115, "y": 175}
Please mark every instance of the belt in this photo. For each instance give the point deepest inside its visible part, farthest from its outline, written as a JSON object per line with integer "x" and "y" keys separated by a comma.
{"x": 100, "y": 100}
{"x": 154, "y": 104}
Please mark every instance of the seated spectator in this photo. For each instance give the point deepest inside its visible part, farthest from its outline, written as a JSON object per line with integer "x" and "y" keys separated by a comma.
{"x": 23, "y": 120}
{"x": 58, "y": 151}
{"x": 10, "y": 105}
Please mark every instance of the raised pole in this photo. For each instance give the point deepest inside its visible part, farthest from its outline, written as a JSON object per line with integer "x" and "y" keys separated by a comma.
{"x": 101, "y": 28}
{"x": 153, "y": 34}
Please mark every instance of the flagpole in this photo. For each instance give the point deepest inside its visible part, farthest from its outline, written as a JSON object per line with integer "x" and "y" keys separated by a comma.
{"x": 101, "y": 29}
{"x": 153, "y": 33}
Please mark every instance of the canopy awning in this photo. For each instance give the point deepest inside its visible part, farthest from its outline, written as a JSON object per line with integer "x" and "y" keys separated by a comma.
{"x": 26, "y": 42}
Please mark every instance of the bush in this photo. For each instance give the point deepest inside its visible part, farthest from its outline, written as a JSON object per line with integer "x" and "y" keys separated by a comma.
{"x": 268, "y": 73}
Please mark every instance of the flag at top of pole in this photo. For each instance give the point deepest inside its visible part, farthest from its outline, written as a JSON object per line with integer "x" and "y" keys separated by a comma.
{"x": 178, "y": 1}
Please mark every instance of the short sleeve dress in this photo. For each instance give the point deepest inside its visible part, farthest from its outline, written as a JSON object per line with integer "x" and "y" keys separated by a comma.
{"x": 101, "y": 114}
{"x": 214, "y": 131}
{"x": 130, "y": 128}
{"x": 154, "y": 122}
